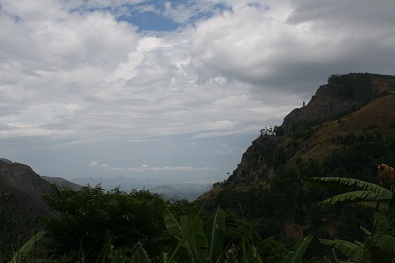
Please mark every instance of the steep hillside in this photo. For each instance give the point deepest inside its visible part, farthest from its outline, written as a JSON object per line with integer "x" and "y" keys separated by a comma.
{"x": 26, "y": 185}
{"x": 341, "y": 95}
{"x": 347, "y": 127}
{"x": 378, "y": 118}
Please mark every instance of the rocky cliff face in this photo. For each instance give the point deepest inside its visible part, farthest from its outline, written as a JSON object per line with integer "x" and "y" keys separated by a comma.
{"x": 255, "y": 161}
{"x": 343, "y": 94}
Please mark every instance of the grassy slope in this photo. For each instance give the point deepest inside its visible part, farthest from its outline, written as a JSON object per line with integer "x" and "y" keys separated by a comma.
{"x": 378, "y": 114}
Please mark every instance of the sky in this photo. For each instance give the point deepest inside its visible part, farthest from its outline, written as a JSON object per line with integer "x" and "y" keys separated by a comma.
{"x": 170, "y": 90}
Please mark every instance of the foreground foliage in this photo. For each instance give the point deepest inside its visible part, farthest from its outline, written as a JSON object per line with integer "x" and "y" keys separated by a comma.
{"x": 22, "y": 255}
{"x": 379, "y": 244}
{"x": 189, "y": 243}
{"x": 91, "y": 218}
{"x": 114, "y": 226}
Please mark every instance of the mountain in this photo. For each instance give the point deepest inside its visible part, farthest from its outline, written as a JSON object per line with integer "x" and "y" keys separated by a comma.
{"x": 341, "y": 95}
{"x": 61, "y": 182}
{"x": 5, "y": 160}
{"x": 26, "y": 186}
{"x": 346, "y": 128}
{"x": 180, "y": 191}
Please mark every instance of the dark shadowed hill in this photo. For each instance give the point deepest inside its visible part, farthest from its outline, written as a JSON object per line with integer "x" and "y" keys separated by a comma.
{"x": 26, "y": 185}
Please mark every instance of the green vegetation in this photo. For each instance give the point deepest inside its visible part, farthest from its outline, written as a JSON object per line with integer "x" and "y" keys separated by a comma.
{"x": 286, "y": 200}
{"x": 299, "y": 249}
{"x": 379, "y": 244}
{"x": 87, "y": 233}
{"x": 23, "y": 253}
{"x": 187, "y": 240}
{"x": 92, "y": 218}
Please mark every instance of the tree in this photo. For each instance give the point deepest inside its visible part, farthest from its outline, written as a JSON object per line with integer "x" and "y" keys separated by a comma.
{"x": 91, "y": 218}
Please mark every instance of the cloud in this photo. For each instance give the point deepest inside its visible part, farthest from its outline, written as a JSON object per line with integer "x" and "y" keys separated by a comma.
{"x": 74, "y": 72}
{"x": 291, "y": 46}
{"x": 89, "y": 80}
{"x": 93, "y": 164}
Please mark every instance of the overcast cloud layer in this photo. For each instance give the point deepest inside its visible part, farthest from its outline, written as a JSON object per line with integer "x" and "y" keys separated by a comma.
{"x": 101, "y": 87}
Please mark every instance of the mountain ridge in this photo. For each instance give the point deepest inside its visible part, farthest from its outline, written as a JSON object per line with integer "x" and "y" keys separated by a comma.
{"x": 26, "y": 185}
{"x": 341, "y": 95}
{"x": 327, "y": 137}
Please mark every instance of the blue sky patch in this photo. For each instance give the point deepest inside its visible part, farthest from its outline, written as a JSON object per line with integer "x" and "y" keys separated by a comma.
{"x": 149, "y": 21}
{"x": 154, "y": 16}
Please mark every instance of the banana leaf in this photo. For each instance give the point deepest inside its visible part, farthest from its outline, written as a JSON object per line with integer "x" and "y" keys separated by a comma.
{"x": 249, "y": 252}
{"x": 350, "y": 182}
{"x": 140, "y": 255}
{"x": 385, "y": 240}
{"x": 299, "y": 249}
{"x": 363, "y": 196}
{"x": 27, "y": 247}
{"x": 196, "y": 241}
{"x": 171, "y": 223}
{"x": 349, "y": 249}
{"x": 216, "y": 228}
{"x": 185, "y": 235}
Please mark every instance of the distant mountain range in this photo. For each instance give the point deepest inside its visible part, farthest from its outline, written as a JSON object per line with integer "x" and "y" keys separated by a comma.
{"x": 171, "y": 191}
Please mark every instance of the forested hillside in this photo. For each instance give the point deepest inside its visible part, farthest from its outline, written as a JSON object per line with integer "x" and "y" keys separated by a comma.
{"x": 346, "y": 128}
